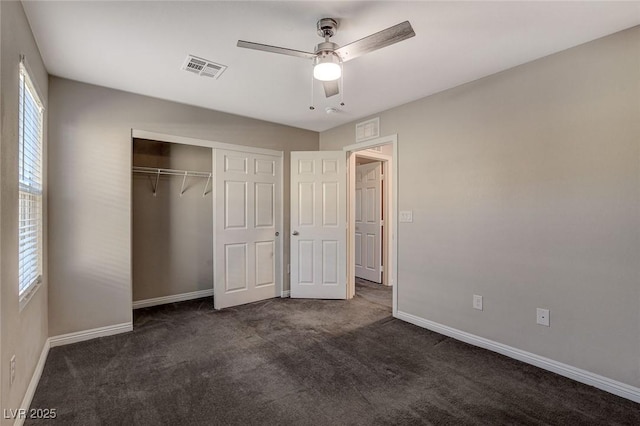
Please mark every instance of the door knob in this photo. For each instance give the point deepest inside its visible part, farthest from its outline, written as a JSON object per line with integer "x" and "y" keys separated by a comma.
{"x": 277, "y": 233}
{"x": 295, "y": 233}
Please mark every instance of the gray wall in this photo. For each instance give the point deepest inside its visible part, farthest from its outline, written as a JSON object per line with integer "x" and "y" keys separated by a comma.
{"x": 524, "y": 189}
{"x": 23, "y": 333}
{"x": 172, "y": 234}
{"x": 90, "y": 160}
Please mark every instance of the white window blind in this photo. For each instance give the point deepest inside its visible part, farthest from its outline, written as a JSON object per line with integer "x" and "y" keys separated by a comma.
{"x": 30, "y": 185}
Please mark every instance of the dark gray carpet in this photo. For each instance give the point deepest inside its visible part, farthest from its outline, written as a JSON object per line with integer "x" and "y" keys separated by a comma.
{"x": 304, "y": 362}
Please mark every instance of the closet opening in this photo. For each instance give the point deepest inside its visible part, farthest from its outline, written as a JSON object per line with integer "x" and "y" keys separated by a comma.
{"x": 172, "y": 227}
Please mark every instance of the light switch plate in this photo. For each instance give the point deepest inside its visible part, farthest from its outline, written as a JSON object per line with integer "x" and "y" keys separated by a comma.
{"x": 406, "y": 216}
{"x": 477, "y": 302}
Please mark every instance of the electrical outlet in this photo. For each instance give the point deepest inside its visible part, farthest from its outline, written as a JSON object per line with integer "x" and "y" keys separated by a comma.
{"x": 542, "y": 317}
{"x": 12, "y": 369}
{"x": 477, "y": 302}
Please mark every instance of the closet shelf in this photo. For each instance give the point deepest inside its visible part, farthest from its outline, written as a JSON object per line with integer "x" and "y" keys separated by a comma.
{"x": 174, "y": 172}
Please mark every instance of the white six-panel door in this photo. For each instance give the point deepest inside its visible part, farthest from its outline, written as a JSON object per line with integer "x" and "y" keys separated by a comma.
{"x": 247, "y": 216}
{"x": 368, "y": 232}
{"x": 318, "y": 225}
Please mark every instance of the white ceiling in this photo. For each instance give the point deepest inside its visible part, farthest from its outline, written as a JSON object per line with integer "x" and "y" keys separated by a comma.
{"x": 140, "y": 46}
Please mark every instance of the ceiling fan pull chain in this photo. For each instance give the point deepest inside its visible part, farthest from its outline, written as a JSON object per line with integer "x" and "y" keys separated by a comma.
{"x": 311, "y": 107}
{"x": 341, "y": 84}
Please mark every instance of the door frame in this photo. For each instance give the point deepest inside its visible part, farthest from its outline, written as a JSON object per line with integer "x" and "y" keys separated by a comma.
{"x": 214, "y": 145}
{"x": 391, "y": 182}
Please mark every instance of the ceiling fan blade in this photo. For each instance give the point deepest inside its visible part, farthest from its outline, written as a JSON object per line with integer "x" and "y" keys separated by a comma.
{"x": 275, "y": 49}
{"x": 376, "y": 41}
{"x": 331, "y": 88}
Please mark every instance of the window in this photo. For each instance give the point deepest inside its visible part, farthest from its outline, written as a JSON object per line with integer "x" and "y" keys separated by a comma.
{"x": 30, "y": 186}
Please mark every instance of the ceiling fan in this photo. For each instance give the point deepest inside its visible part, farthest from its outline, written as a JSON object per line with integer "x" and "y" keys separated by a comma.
{"x": 328, "y": 56}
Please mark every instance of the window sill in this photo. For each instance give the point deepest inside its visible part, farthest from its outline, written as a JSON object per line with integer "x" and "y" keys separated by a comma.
{"x": 28, "y": 294}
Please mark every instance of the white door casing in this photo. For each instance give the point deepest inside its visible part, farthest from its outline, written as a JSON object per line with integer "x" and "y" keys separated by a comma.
{"x": 318, "y": 225}
{"x": 368, "y": 235}
{"x": 246, "y": 220}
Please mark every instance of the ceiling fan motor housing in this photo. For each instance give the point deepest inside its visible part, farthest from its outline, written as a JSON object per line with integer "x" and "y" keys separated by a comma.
{"x": 327, "y": 27}
{"x": 325, "y": 48}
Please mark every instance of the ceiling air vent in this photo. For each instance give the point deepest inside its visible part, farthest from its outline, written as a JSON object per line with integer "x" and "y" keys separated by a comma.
{"x": 203, "y": 67}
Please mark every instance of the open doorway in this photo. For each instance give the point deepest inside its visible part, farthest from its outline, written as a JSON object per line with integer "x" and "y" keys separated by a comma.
{"x": 369, "y": 225}
{"x": 372, "y": 200}
{"x": 370, "y": 207}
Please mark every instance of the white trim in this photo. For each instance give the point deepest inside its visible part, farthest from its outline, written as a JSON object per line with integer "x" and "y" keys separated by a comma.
{"x": 29, "y": 292}
{"x": 214, "y": 221}
{"x": 31, "y": 82}
{"x": 370, "y": 155}
{"x": 280, "y": 231}
{"x": 392, "y": 209}
{"x": 285, "y": 293}
{"x": 81, "y": 336}
{"x": 137, "y": 304}
{"x": 143, "y": 134}
{"x": 33, "y": 384}
{"x": 384, "y": 140}
{"x": 609, "y": 385}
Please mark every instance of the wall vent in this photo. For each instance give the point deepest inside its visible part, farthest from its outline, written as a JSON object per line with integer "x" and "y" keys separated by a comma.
{"x": 203, "y": 67}
{"x": 369, "y": 129}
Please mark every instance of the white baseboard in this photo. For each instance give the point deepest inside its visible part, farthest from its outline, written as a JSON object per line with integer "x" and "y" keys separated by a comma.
{"x": 612, "y": 386}
{"x": 285, "y": 293}
{"x": 33, "y": 384}
{"x": 171, "y": 299}
{"x": 80, "y": 336}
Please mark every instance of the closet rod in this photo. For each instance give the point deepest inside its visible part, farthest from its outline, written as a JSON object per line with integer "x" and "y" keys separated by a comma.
{"x": 173, "y": 172}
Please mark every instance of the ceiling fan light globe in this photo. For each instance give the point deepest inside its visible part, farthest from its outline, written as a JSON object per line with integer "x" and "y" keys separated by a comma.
{"x": 327, "y": 71}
